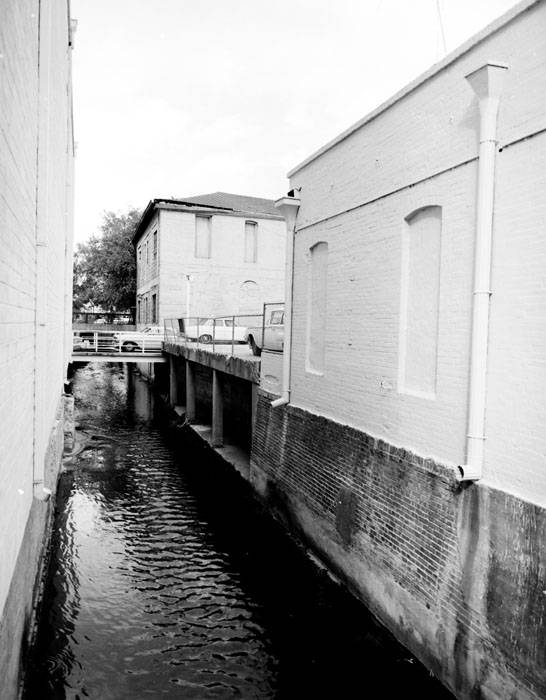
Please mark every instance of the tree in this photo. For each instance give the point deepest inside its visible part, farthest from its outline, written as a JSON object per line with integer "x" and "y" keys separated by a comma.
{"x": 105, "y": 266}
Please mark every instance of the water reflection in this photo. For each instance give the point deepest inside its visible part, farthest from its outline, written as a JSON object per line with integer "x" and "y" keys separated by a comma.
{"x": 167, "y": 581}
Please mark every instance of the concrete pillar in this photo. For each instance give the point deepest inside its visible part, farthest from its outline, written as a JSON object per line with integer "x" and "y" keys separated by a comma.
{"x": 190, "y": 392}
{"x": 217, "y": 410}
{"x": 173, "y": 382}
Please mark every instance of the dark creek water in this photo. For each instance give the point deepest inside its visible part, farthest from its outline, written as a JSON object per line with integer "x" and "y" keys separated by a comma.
{"x": 167, "y": 580}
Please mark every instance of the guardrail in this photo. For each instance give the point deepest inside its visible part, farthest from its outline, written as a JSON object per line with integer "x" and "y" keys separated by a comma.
{"x": 226, "y": 334}
{"x": 229, "y": 334}
{"x": 108, "y": 342}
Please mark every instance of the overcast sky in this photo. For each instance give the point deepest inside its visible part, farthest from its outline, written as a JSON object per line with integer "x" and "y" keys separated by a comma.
{"x": 183, "y": 97}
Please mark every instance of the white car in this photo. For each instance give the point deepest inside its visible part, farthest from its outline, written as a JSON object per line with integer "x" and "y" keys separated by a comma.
{"x": 149, "y": 338}
{"x": 273, "y": 331}
{"x": 223, "y": 331}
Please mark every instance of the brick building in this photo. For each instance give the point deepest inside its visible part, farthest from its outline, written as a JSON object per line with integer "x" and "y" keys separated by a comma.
{"x": 208, "y": 255}
{"x": 409, "y": 445}
{"x": 36, "y": 178}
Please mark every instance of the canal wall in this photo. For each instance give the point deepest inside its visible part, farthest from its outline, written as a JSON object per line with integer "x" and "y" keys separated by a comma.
{"x": 456, "y": 572}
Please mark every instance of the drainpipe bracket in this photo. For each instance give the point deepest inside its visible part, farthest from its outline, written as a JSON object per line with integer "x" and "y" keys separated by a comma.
{"x": 469, "y": 472}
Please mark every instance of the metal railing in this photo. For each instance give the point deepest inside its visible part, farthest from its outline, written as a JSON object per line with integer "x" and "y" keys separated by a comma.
{"x": 225, "y": 334}
{"x": 230, "y": 334}
{"x": 107, "y": 342}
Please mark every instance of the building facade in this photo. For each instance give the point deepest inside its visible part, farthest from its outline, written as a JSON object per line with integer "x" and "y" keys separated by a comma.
{"x": 36, "y": 193}
{"x": 411, "y": 450}
{"x": 212, "y": 255}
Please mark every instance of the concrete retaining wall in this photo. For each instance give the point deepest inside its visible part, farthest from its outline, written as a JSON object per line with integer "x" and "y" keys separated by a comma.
{"x": 457, "y": 573}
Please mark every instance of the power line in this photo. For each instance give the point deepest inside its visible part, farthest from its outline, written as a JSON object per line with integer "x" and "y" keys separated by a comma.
{"x": 440, "y": 22}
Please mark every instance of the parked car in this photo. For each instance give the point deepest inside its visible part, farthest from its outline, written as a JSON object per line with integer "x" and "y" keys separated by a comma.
{"x": 273, "y": 332}
{"x": 149, "y": 338}
{"x": 92, "y": 341}
{"x": 224, "y": 330}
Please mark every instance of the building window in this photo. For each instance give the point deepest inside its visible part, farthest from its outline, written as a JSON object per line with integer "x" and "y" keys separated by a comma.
{"x": 154, "y": 308}
{"x": 202, "y": 236}
{"x": 251, "y": 241}
{"x": 145, "y": 309}
{"x": 419, "y": 302}
{"x": 155, "y": 251}
{"x": 317, "y": 282}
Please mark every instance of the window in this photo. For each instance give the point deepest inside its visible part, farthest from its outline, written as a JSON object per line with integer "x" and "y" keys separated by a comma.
{"x": 251, "y": 241}
{"x": 419, "y": 302}
{"x": 154, "y": 308}
{"x": 316, "y": 307}
{"x": 155, "y": 251}
{"x": 202, "y": 236}
{"x": 277, "y": 318}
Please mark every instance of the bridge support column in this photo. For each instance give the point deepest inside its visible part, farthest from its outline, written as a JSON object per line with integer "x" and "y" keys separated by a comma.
{"x": 217, "y": 410}
{"x": 190, "y": 392}
{"x": 173, "y": 381}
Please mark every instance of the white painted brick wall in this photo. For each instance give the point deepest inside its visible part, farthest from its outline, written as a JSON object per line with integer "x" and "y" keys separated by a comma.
{"x": 388, "y": 160}
{"x": 18, "y": 178}
{"x": 216, "y": 284}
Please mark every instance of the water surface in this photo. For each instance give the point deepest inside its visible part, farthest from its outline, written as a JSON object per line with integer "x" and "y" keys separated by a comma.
{"x": 167, "y": 580}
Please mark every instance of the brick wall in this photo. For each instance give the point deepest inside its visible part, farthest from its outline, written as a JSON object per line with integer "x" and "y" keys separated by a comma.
{"x": 216, "y": 285}
{"x": 147, "y": 266}
{"x": 419, "y": 152}
{"x": 362, "y": 462}
{"x": 36, "y": 152}
{"x": 455, "y": 572}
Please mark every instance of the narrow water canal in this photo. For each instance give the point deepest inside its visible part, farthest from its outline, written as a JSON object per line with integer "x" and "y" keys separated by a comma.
{"x": 168, "y": 581}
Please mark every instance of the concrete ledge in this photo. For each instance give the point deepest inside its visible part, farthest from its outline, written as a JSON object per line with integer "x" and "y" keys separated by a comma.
{"x": 234, "y": 455}
{"x": 243, "y": 367}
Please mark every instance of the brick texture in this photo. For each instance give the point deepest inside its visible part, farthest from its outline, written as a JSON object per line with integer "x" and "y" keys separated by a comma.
{"x": 36, "y": 157}
{"x": 216, "y": 287}
{"x": 422, "y": 151}
{"x": 451, "y": 570}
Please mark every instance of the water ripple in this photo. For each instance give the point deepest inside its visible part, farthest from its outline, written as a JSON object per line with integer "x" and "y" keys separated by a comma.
{"x": 164, "y": 584}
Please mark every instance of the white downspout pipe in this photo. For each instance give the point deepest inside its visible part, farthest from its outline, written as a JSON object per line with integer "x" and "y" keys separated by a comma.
{"x": 487, "y": 83}
{"x": 288, "y": 207}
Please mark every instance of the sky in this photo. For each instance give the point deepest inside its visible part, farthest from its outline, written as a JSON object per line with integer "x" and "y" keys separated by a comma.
{"x": 174, "y": 98}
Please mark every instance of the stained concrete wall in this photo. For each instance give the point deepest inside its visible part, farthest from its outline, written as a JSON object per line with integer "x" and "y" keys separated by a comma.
{"x": 217, "y": 285}
{"x": 455, "y": 572}
{"x": 36, "y": 153}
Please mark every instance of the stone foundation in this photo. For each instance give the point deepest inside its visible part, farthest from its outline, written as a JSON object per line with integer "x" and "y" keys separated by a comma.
{"x": 456, "y": 572}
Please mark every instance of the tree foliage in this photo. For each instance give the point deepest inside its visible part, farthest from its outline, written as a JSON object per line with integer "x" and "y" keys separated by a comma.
{"x": 105, "y": 266}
